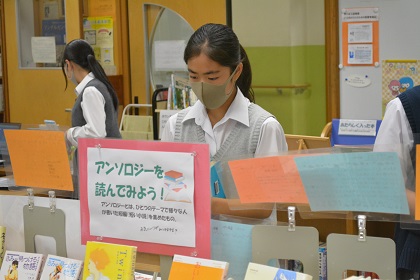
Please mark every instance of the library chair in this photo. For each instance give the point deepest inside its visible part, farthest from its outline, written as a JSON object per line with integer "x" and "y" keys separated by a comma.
{"x": 304, "y": 142}
{"x": 326, "y": 131}
{"x": 159, "y": 101}
{"x": 136, "y": 127}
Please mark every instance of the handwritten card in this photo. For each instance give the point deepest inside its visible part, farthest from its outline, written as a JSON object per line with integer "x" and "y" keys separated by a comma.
{"x": 39, "y": 159}
{"x": 231, "y": 242}
{"x": 366, "y": 181}
{"x": 268, "y": 179}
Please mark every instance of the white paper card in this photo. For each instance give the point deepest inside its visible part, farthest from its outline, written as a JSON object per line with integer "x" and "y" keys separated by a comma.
{"x": 357, "y": 127}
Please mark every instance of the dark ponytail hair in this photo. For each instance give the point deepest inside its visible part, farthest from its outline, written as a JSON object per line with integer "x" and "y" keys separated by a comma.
{"x": 80, "y": 52}
{"x": 220, "y": 44}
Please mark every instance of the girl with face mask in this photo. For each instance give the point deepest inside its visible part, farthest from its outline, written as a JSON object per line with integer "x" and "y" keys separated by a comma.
{"x": 225, "y": 116}
{"x": 95, "y": 111}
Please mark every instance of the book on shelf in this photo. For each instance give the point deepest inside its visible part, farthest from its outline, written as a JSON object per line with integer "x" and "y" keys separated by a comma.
{"x": 2, "y": 243}
{"x": 180, "y": 95}
{"x": 184, "y": 267}
{"x": 259, "y": 271}
{"x": 61, "y": 268}
{"x": 143, "y": 276}
{"x": 21, "y": 265}
{"x": 322, "y": 251}
{"x": 108, "y": 261}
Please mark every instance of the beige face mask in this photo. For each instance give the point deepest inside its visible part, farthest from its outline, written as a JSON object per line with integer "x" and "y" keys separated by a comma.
{"x": 212, "y": 96}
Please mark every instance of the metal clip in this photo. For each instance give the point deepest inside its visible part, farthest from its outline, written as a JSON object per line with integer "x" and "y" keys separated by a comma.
{"x": 291, "y": 215}
{"x": 361, "y": 222}
{"x": 30, "y": 198}
{"x": 51, "y": 194}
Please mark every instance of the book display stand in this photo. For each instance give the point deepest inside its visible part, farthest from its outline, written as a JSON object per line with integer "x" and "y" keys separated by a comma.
{"x": 360, "y": 253}
{"x": 291, "y": 242}
{"x": 44, "y": 221}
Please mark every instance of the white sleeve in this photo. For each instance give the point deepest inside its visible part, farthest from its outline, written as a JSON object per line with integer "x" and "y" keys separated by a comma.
{"x": 93, "y": 107}
{"x": 272, "y": 140}
{"x": 395, "y": 135}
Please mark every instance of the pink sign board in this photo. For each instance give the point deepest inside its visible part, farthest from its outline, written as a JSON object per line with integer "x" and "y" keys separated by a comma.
{"x": 201, "y": 195}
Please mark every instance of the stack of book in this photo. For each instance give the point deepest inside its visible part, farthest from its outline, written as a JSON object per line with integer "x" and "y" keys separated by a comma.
{"x": 176, "y": 190}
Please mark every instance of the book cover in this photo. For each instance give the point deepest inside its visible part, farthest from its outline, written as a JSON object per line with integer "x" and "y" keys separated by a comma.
{"x": 57, "y": 267}
{"x": 108, "y": 261}
{"x": 21, "y": 265}
{"x": 174, "y": 175}
{"x": 184, "y": 267}
{"x": 258, "y": 271}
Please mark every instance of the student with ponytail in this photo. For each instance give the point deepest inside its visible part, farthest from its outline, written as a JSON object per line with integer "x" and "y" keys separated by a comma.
{"x": 95, "y": 112}
{"x": 225, "y": 116}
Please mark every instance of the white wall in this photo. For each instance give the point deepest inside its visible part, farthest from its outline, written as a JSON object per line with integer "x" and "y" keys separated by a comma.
{"x": 398, "y": 39}
{"x": 276, "y": 23}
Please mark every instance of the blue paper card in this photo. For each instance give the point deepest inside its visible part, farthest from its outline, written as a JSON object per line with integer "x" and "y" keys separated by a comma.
{"x": 365, "y": 181}
{"x": 231, "y": 242}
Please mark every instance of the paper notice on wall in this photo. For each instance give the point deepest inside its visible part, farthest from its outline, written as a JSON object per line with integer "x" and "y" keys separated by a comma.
{"x": 360, "y": 33}
{"x": 169, "y": 55}
{"x": 99, "y": 32}
{"x": 360, "y": 54}
{"x": 43, "y": 49}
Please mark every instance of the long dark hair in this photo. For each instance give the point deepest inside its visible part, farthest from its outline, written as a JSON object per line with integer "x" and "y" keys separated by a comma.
{"x": 80, "y": 52}
{"x": 221, "y": 44}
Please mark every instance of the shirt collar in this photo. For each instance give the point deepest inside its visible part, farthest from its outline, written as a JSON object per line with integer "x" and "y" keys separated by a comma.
{"x": 238, "y": 110}
{"x": 79, "y": 88}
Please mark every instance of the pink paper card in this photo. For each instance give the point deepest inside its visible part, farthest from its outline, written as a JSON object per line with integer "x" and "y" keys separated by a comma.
{"x": 268, "y": 179}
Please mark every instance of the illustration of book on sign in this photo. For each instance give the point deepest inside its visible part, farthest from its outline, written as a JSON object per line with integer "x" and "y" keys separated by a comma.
{"x": 21, "y": 265}
{"x": 108, "y": 261}
{"x": 57, "y": 267}
{"x": 175, "y": 188}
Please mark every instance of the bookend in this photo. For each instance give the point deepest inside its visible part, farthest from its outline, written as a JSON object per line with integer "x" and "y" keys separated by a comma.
{"x": 287, "y": 242}
{"x": 44, "y": 221}
{"x": 360, "y": 252}
{"x": 165, "y": 266}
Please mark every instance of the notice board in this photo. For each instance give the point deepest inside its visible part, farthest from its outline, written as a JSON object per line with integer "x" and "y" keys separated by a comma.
{"x": 361, "y": 86}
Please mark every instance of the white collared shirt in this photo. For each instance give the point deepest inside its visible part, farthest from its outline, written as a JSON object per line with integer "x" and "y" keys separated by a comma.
{"x": 93, "y": 107}
{"x": 395, "y": 134}
{"x": 271, "y": 141}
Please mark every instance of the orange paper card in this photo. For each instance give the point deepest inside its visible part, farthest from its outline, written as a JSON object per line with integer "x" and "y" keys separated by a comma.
{"x": 39, "y": 159}
{"x": 268, "y": 179}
